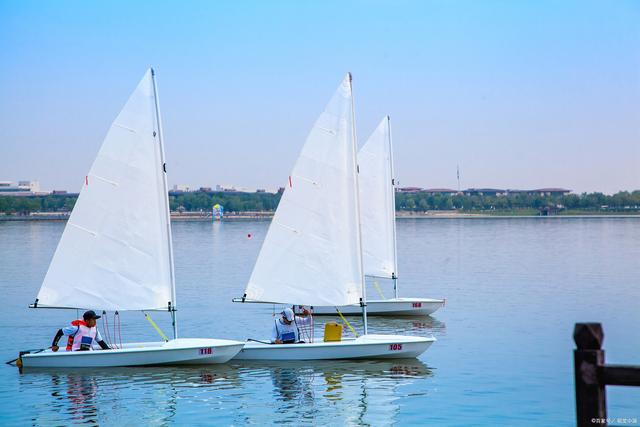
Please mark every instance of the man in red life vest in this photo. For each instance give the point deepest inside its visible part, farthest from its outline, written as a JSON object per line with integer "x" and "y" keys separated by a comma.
{"x": 82, "y": 334}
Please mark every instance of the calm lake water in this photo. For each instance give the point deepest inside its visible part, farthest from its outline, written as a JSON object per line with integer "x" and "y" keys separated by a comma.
{"x": 514, "y": 289}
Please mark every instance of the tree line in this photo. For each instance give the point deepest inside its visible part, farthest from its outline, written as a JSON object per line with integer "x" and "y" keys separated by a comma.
{"x": 422, "y": 201}
{"x": 413, "y": 202}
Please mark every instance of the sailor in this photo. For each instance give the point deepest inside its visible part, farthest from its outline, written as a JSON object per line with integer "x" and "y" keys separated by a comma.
{"x": 82, "y": 334}
{"x": 285, "y": 328}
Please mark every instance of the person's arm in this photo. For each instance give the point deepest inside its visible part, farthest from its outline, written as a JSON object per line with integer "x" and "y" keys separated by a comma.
{"x": 304, "y": 320}
{"x": 305, "y": 312}
{"x": 54, "y": 344}
{"x": 68, "y": 331}
{"x": 274, "y": 334}
{"x": 103, "y": 345}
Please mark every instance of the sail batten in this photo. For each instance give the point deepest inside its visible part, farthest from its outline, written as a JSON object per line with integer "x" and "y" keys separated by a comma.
{"x": 311, "y": 252}
{"x": 115, "y": 253}
{"x": 377, "y": 204}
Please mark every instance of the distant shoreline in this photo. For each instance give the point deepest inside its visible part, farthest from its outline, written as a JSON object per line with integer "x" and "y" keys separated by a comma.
{"x": 250, "y": 216}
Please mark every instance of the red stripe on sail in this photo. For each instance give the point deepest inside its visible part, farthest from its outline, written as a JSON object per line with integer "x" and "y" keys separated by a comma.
{"x": 290, "y": 185}
{"x": 86, "y": 180}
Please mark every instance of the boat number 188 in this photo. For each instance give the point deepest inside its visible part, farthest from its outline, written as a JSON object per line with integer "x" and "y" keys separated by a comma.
{"x": 206, "y": 350}
{"x": 395, "y": 346}
{"x": 417, "y": 304}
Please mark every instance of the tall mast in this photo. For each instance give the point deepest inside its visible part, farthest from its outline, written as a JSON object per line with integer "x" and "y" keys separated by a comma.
{"x": 165, "y": 198}
{"x": 393, "y": 211}
{"x": 356, "y": 171}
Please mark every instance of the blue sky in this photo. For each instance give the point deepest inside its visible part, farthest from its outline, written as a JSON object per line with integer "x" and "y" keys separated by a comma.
{"x": 520, "y": 94}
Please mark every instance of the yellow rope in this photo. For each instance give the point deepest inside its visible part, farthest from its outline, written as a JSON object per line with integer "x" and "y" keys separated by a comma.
{"x": 158, "y": 330}
{"x": 375, "y": 284}
{"x": 347, "y": 323}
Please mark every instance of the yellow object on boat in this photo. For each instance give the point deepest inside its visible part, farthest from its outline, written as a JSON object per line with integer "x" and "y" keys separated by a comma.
{"x": 156, "y": 327}
{"x": 355, "y": 334}
{"x": 332, "y": 331}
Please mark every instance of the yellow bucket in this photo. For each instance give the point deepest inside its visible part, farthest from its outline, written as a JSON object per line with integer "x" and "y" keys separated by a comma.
{"x": 332, "y": 331}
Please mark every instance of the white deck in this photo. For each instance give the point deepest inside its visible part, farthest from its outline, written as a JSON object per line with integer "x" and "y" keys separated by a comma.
{"x": 182, "y": 351}
{"x": 364, "y": 347}
{"x": 388, "y": 307}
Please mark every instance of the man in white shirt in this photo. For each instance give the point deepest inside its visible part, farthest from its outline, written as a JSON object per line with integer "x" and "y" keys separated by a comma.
{"x": 285, "y": 328}
{"x": 82, "y": 334}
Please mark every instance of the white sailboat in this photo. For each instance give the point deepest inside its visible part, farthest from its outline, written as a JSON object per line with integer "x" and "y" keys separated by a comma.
{"x": 116, "y": 253}
{"x": 312, "y": 253}
{"x": 378, "y": 220}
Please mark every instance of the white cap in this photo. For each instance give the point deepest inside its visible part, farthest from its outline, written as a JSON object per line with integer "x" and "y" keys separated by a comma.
{"x": 287, "y": 313}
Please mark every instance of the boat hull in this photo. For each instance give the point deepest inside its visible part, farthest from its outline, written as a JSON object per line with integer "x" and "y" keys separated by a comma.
{"x": 182, "y": 351}
{"x": 363, "y": 347}
{"x": 389, "y": 307}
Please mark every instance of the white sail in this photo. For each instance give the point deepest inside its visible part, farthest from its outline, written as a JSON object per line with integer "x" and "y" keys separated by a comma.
{"x": 377, "y": 203}
{"x": 115, "y": 251}
{"x": 311, "y": 254}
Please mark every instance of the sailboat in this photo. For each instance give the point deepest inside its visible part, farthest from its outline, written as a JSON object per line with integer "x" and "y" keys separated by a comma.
{"x": 116, "y": 252}
{"x": 312, "y": 253}
{"x": 378, "y": 221}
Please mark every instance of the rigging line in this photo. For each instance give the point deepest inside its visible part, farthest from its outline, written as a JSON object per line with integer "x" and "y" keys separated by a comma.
{"x": 107, "y": 333}
{"x": 105, "y": 326}
{"x": 347, "y": 323}
{"x": 307, "y": 329}
{"x": 312, "y": 324}
{"x": 115, "y": 337}
{"x": 119, "y": 332}
{"x": 156, "y": 327}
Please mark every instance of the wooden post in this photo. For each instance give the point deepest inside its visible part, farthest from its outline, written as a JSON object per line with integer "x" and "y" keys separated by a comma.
{"x": 590, "y": 389}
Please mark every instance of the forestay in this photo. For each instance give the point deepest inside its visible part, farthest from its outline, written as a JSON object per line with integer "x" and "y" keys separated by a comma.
{"x": 377, "y": 203}
{"x": 115, "y": 251}
{"x": 311, "y": 254}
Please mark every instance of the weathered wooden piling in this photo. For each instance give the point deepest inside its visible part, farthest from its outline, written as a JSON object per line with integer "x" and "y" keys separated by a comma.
{"x": 587, "y": 357}
{"x": 592, "y": 375}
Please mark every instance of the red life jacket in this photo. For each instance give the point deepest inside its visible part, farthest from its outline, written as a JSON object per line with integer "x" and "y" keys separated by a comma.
{"x": 70, "y": 339}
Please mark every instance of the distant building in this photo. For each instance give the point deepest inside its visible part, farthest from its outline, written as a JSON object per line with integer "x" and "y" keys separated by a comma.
{"x": 484, "y": 192}
{"x": 205, "y": 189}
{"x": 23, "y": 188}
{"x": 409, "y": 190}
{"x": 551, "y": 191}
{"x": 440, "y": 191}
{"x": 541, "y": 192}
{"x": 228, "y": 188}
{"x": 181, "y": 188}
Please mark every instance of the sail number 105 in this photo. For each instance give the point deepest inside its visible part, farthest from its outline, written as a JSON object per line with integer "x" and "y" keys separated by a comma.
{"x": 395, "y": 347}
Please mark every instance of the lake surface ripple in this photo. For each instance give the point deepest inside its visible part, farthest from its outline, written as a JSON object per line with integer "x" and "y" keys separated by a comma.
{"x": 514, "y": 289}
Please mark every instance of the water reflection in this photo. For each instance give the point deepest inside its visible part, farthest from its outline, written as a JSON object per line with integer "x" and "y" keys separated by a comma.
{"x": 75, "y": 395}
{"x": 356, "y": 391}
{"x": 248, "y": 393}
